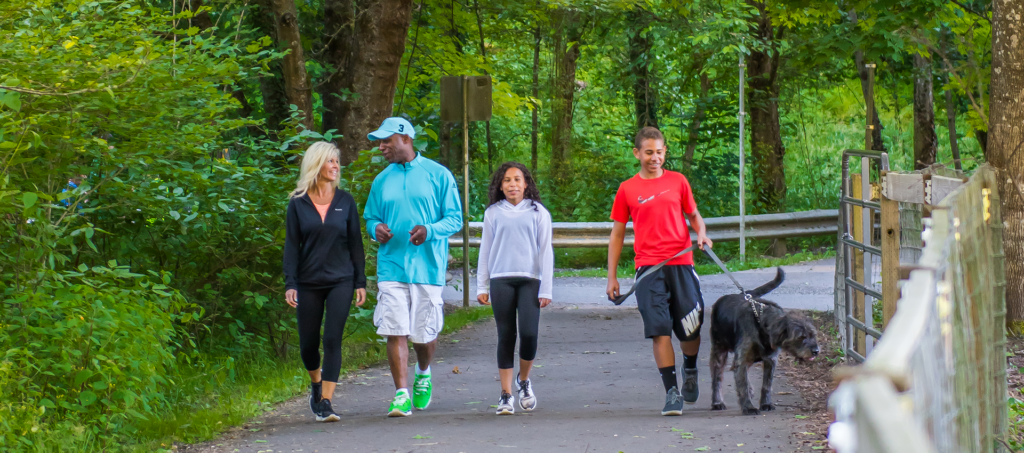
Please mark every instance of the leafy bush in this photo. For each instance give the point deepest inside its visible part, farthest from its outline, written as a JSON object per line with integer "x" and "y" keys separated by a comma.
{"x": 89, "y": 350}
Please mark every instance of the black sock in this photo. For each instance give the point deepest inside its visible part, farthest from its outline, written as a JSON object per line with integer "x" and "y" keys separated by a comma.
{"x": 689, "y": 362}
{"x": 668, "y": 377}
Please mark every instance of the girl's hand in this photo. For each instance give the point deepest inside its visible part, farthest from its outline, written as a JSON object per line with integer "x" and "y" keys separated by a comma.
{"x": 292, "y": 297}
{"x": 544, "y": 302}
{"x": 483, "y": 299}
{"x": 360, "y": 297}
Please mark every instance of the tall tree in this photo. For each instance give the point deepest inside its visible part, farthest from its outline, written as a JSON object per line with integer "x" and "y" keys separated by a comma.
{"x": 1006, "y": 141}
{"x": 694, "y": 127}
{"x": 566, "y": 48}
{"x": 645, "y": 98}
{"x": 925, "y": 141}
{"x": 365, "y": 41}
{"x": 534, "y": 125}
{"x": 297, "y": 88}
{"x": 272, "y": 92}
{"x": 483, "y": 57}
{"x": 766, "y": 149}
{"x": 862, "y": 72}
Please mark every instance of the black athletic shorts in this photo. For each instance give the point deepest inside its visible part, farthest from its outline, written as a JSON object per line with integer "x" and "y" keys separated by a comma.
{"x": 670, "y": 301}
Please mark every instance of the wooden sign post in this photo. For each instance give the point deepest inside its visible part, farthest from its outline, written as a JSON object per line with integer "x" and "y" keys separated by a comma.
{"x": 465, "y": 99}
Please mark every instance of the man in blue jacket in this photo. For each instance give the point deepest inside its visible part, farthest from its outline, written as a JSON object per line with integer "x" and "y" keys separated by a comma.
{"x": 413, "y": 208}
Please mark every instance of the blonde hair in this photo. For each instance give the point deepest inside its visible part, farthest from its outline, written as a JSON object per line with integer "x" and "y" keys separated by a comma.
{"x": 312, "y": 161}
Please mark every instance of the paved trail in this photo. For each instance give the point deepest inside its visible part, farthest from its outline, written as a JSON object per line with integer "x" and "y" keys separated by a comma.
{"x": 597, "y": 386}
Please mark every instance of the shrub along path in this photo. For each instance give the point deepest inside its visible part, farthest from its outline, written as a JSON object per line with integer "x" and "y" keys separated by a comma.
{"x": 597, "y": 386}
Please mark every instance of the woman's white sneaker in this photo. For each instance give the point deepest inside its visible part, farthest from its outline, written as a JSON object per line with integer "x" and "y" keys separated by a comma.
{"x": 527, "y": 400}
{"x": 505, "y": 406}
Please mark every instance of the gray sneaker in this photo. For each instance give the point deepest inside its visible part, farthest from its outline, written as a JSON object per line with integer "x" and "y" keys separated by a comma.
{"x": 673, "y": 405}
{"x": 690, "y": 389}
{"x": 505, "y": 404}
{"x": 527, "y": 400}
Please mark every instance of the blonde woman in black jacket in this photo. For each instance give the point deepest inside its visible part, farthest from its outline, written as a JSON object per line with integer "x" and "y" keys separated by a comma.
{"x": 323, "y": 267}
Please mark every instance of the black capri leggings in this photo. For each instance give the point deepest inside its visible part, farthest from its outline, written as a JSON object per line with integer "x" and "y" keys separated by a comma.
{"x": 337, "y": 300}
{"x": 509, "y": 295}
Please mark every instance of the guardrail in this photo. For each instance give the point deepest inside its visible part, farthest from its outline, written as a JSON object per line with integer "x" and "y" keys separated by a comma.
{"x": 763, "y": 226}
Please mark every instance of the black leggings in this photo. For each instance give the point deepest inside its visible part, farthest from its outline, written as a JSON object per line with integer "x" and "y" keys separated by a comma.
{"x": 509, "y": 295}
{"x": 310, "y": 313}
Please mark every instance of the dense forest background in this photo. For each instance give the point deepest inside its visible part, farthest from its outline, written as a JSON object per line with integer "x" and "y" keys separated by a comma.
{"x": 147, "y": 147}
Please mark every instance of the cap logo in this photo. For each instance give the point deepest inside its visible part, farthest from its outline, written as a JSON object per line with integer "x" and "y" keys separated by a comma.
{"x": 401, "y": 128}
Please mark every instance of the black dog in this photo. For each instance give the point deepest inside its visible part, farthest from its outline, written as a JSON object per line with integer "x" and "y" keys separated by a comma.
{"x": 755, "y": 330}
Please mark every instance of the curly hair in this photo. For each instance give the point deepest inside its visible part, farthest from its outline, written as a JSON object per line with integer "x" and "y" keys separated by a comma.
{"x": 495, "y": 194}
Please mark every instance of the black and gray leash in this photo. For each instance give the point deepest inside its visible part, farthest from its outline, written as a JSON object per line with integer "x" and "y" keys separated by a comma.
{"x": 622, "y": 298}
{"x": 757, "y": 307}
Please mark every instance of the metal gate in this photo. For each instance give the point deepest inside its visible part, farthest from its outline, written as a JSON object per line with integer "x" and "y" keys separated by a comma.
{"x": 856, "y": 253}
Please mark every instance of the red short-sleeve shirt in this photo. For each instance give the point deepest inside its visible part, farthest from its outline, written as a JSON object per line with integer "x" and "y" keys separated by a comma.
{"x": 656, "y": 207}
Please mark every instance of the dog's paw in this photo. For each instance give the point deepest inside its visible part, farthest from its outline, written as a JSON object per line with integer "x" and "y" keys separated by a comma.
{"x": 767, "y": 407}
{"x": 751, "y": 411}
{"x": 718, "y": 406}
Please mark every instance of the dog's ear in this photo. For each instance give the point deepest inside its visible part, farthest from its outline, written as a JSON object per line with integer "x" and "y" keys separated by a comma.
{"x": 795, "y": 330}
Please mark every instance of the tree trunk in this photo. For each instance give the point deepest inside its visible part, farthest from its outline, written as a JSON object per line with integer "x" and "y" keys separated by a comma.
{"x": 445, "y": 145}
{"x": 365, "y": 42}
{"x": 201, "y": 20}
{"x": 536, "y": 95}
{"x": 275, "y": 105}
{"x": 483, "y": 56}
{"x": 645, "y": 99}
{"x": 767, "y": 151}
{"x": 862, "y": 72}
{"x": 954, "y": 145}
{"x": 1006, "y": 142}
{"x": 768, "y": 170}
{"x": 298, "y": 91}
{"x": 567, "y": 50}
{"x": 694, "y": 129}
{"x": 925, "y": 141}
{"x": 982, "y": 137}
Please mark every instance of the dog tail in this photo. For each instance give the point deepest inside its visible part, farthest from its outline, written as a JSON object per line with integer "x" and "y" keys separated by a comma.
{"x": 766, "y": 288}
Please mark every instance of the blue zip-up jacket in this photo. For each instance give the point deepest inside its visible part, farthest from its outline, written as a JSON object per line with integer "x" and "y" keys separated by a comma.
{"x": 420, "y": 192}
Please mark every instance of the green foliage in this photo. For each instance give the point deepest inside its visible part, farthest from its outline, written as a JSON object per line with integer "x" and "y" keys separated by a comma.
{"x": 141, "y": 203}
{"x": 1015, "y": 434}
{"x": 89, "y": 350}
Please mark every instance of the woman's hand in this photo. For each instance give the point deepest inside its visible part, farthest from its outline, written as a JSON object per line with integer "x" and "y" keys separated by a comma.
{"x": 360, "y": 297}
{"x": 292, "y": 297}
{"x": 544, "y": 302}
{"x": 483, "y": 299}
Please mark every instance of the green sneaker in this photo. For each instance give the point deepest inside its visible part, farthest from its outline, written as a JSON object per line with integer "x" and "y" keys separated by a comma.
{"x": 421, "y": 391}
{"x": 401, "y": 406}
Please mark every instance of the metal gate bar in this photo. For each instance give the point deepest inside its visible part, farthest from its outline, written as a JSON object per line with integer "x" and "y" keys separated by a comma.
{"x": 847, "y": 242}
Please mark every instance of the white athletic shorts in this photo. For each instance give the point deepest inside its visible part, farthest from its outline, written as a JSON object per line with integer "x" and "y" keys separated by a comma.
{"x": 409, "y": 310}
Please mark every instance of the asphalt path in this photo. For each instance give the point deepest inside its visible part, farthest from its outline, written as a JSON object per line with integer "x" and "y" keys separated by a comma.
{"x": 597, "y": 385}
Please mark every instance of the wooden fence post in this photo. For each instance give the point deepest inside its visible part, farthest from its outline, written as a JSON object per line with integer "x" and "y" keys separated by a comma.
{"x": 890, "y": 258}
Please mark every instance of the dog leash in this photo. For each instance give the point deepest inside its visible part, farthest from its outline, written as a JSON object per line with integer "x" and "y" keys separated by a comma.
{"x": 746, "y": 296}
{"x": 622, "y": 298}
{"x": 755, "y": 306}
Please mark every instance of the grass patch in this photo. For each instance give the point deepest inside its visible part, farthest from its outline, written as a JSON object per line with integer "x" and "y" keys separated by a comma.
{"x": 206, "y": 410}
{"x": 707, "y": 267}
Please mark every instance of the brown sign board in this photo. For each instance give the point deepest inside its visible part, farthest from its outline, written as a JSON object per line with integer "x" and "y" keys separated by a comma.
{"x": 479, "y": 98}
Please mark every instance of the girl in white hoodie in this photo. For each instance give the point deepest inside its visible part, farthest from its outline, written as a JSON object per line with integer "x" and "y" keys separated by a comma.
{"x": 514, "y": 275}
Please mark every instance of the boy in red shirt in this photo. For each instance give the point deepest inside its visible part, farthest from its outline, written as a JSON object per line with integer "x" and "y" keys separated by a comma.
{"x": 670, "y": 299}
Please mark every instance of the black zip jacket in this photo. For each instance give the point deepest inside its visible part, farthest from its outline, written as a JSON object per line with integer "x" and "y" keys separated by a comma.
{"x": 323, "y": 253}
